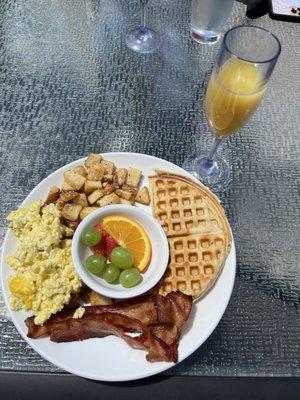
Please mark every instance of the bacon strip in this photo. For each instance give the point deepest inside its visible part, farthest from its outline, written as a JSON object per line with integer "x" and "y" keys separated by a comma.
{"x": 158, "y": 320}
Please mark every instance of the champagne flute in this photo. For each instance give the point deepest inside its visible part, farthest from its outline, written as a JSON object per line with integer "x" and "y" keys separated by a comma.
{"x": 244, "y": 65}
{"x": 143, "y": 39}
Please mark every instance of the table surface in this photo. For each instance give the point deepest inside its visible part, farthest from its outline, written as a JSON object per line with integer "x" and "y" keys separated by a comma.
{"x": 69, "y": 86}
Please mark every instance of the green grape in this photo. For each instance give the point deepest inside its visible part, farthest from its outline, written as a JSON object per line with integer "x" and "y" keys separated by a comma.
{"x": 122, "y": 258}
{"x": 91, "y": 237}
{"x": 130, "y": 277}
{"x": 96, "y": 264}
{"x": 111, "y": 273}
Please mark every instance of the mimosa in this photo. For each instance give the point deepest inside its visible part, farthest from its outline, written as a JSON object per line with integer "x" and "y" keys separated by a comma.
{"x": 232, "y": 96}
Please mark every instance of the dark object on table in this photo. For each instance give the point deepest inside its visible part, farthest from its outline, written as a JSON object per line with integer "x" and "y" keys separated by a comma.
{"x": 256, "y": 8}
{"x": 284, "y": 12}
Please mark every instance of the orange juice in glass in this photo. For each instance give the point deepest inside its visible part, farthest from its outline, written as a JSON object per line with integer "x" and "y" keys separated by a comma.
{"x": 235, "y": 90}
{"x": 233, "y": 94}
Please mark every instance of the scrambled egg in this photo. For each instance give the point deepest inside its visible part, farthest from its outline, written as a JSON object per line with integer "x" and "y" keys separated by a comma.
{"x": 45, "y": 276}
{"x": 79, "y": 312}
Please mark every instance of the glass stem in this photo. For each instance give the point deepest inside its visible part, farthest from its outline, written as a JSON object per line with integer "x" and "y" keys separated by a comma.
{"x": 214, "y": 149}
{"x": 143, "y": 14}
{"x": 210, "y": 159}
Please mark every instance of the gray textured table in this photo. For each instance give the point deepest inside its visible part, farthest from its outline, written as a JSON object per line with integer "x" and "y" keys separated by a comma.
{"x": 69, "y": 87}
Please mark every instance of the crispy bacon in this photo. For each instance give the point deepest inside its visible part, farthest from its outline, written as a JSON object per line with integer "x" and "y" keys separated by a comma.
{"x": 156, "y": 319}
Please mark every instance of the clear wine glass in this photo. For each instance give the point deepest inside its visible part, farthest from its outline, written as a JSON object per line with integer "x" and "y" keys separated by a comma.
{"x": 143, "y": 39}
{"x": 239, "y": 79}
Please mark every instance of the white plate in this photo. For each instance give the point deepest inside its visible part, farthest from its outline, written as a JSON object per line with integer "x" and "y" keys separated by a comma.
{"x": 110, "y": 358}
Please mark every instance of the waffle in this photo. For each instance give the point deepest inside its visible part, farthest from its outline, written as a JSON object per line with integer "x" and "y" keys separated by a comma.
{"x": 197, "y": 230}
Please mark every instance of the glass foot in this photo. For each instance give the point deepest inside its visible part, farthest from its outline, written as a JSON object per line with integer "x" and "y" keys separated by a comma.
{"x": 214, "y": 174}
{"x": 143, "y": 40}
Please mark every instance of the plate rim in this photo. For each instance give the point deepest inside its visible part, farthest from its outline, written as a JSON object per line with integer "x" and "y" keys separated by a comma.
{"x": 165, "y": 366}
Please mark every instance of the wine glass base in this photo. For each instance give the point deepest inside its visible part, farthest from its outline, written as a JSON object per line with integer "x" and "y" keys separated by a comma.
{"x": 143, "y": 40}
{"x": 214, "y": 174}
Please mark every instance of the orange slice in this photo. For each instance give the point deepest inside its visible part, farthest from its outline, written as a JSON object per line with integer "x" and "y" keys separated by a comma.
{"x": 130, "y": 234}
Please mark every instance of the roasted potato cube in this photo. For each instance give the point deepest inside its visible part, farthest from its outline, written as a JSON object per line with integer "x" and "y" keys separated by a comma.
{"x": 129, "y": 188}
{"x": 97, "y": 299}
{"x": 72, "y": 225}
{"x": 68, "y": 232}
{"x": 96, "y": 195}
{"x": 121, "y": 175}
{"x": 81, "y": 199}
{"x": 143, "y": 196}
{"x": 128, "y": 202}
{"x": 60, "y": 204}
{"x": 86, "y": 211}
{"x": 92, "y": 159}
{"x": 53, "y": 195}
{"x": 90, "y": 186}
{"x": 111, "y": 198}
{"x": 74, "y": 179}
{"x": 108, "y": 166}
{"x": 108, "y": 178}
{"x": 66, "y": 187}
{"x": 71, "y": 211}
{"x": 68, "y": 196}
{"x": 125, "y": 194}
{"x": 80, "y": 170}
{"x": 95, "y": 172}
{"x": 133, "y": 177}
{"x": 108, "y": 189}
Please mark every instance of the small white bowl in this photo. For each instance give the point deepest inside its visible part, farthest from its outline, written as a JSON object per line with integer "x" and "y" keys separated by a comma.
{"x": 159, "y": 256}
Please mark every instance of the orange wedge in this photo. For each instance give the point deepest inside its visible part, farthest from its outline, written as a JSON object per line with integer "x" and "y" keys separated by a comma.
{"x": 129, "y": 233}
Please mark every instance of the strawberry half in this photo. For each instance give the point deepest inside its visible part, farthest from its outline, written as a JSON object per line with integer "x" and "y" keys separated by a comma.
{"x": 106, "y": 245}
{"x": 110, "y": 245}
{"x": 101, "y": 247}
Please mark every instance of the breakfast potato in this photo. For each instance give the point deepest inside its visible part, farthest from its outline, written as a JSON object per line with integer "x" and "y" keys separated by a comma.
{"x": 80, "y": 170}
{"x": 71, "y": 211}
{"x": 53, "y": 195}
{"x": 65, "y": 186}
{"x": 108, "y": 166}
{"x": 60, "y": 204}
{"x": 121, "y": 175}
{"x": 72, "y": 224}
{"x": 143, "y": 196}
{"x": 96, "y": 195}
{"x": 92, "y": 159}
{"x": 90, "y": 186}
{"x": 97, "y": 299}
{"x": 86, "y": 211}
{"x": 125, "y": 194}
{"x": 74, "y": 179}
{"x": 127, "y": 202}
{"x": 108, "y": 189}
{"x": 133, "y": 177}
{"x": 81, "y": 199}
{"x": 95, "y": 172}
{"x": 68, "y": 232}
{"x": 111, "y": 198}
{"x": 68, "y": 196}
{"x": 108, "y": 178}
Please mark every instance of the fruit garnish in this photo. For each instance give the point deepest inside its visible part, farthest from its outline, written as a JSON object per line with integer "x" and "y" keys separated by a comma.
{"x": 91, "y": 237}
{"x": 111, "y": 273}
{"x": 96, "y": 264}
{"x": 130, "y": 277}
{"x": 130, "y": 234}
{"x": 111, "y": 244}
{"x": 106, "y": 245}
{"x": 122, "y": 258}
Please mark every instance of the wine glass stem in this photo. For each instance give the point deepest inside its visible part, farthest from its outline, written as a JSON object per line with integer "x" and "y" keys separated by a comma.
{"x": 210, "y": 159}
{"x": 143, "y": 14}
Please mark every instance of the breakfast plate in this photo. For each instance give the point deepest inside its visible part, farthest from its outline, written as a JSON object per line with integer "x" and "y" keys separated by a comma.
{"x": 109, "y": 358}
